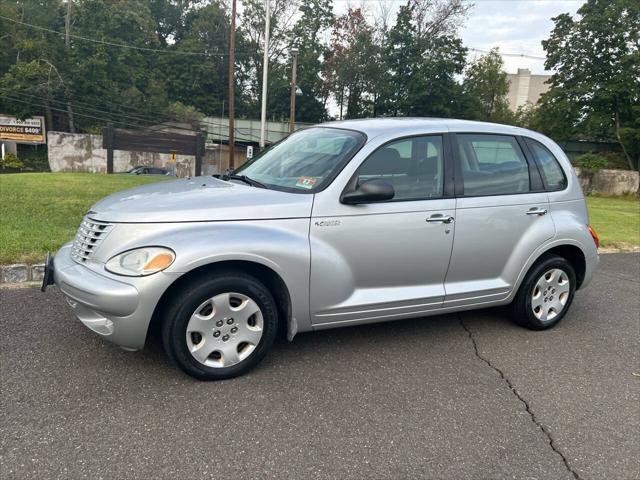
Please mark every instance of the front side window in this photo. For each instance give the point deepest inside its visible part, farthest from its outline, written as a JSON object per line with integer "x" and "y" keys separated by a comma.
{"x": 413, "y": 166}
{"x": 492, "y": 165}
{"x": 305, "y": 160}
{"x": 552, "y": 174}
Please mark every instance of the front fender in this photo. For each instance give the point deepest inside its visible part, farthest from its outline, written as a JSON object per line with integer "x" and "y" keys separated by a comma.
{"x": 281, "y": 245}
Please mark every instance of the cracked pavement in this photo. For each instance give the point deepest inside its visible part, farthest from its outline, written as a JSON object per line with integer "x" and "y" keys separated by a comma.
{"x": 454, "y": 396}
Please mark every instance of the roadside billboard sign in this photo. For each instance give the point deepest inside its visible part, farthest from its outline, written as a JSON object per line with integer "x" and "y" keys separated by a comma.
{"x": 29, "y": 130}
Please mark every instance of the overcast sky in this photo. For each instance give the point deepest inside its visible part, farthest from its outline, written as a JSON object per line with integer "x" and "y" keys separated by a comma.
{"x": 516, "y": 26}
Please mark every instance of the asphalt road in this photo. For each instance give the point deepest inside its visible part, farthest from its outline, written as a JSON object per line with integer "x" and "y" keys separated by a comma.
{"x": 457, "y": 396}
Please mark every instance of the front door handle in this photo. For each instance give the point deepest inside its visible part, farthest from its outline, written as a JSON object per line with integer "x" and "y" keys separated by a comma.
{"x": 537, "y": 211}
{"x": 439, "y": 218}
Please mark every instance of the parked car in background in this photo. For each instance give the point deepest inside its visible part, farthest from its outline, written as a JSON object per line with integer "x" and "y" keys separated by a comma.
{"x": 146, "y": 170}
{"x": 344, "y": 223}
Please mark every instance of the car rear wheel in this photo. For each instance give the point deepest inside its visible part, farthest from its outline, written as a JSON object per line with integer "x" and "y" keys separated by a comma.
{"x": 545, "y": 294}
{"x": 220, "y": 327}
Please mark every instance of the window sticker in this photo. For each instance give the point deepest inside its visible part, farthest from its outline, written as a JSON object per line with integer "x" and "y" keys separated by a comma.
{"x": 306, "y": 182}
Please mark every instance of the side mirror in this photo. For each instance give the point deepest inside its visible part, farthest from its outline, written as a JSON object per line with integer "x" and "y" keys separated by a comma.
{"x": 371, "y": 191}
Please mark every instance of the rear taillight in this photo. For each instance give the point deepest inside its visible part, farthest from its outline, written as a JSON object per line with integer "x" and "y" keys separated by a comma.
{"x": 594, "y": 235}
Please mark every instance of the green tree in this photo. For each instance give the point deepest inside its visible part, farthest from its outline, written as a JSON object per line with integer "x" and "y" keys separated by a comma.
{"x": 252, "y": 24}
{"x": 423, "y": 55}
{"x": 174, "y": 51}
{"x": 32, "y": 62}
{"x": 486, "y": 88}
{"x": 595, "y": 90}
{"x": 200, "y": 81}
{"x": 348, "y": 68}
{"x": 113, "y": 79}
{"x": 317, "y": 17}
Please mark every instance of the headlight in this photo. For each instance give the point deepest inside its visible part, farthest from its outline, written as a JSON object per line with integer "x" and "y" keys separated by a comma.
{"x": 141, "y": 261}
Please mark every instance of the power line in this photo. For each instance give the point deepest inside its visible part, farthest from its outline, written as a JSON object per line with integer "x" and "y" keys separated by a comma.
{"x": 84, "y": 106}
{"x": 519, "y": 55}
{"x": 204, "y": 54}
{"x": 107, "y": 119}
{"x": 42, "y": 105}
{"x": 121, "y": 45}
{"x": 134, "y": 117}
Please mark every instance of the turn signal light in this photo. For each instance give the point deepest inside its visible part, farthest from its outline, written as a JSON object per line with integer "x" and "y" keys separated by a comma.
{"x": 159, "y": 262}
{"x": 594, "y": 235}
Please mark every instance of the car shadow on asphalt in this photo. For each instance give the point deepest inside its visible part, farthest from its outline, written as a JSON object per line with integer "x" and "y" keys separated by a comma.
{"x": 346, "y": 341}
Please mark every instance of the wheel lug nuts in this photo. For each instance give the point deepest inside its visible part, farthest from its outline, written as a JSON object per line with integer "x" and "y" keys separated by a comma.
{"x": 234, "y": 329}
{"x": 230, "y": 321}
{"x": 219, "y": 323}
{"x": 216, "y": 333}
{"x": 225, "y": 338}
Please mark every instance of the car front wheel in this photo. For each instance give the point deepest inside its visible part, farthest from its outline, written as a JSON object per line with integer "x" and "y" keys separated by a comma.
{"x": 220, "y": 327}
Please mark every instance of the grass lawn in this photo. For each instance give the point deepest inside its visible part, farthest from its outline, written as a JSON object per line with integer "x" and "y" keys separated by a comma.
{"x": 616, "y": 219}
{"x": 42, "y": 211}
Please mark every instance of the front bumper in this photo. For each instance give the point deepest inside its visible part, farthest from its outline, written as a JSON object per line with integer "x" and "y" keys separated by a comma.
{"x": 119, "y": 309}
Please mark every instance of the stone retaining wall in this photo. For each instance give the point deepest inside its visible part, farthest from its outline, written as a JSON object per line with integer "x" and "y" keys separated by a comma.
{"x": 609, "y": 182}
{"x": 79, "y": 152}
{"x": 21, "y": 273}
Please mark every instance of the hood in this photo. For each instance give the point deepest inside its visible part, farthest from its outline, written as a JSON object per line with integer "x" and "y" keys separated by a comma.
{"x": 199, "y": 199}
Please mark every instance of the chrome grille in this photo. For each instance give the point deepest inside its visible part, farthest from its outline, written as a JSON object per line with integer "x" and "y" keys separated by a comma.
{"x": 89, "y": 236}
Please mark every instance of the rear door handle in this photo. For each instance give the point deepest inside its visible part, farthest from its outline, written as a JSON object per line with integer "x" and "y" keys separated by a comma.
{"x": 537, "y": 211}
{"x": 439, "y": 218}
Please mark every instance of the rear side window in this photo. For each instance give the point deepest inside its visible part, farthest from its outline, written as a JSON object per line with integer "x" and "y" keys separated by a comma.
{"x": 492, "y": 165}
{"x": 414, "y": 166}
{"x": 552, "y": 174}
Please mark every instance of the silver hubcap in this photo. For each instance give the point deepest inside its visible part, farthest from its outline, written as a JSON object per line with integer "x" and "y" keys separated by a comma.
{"x": 224, "y": 330}
{"x": 550, "y": 294}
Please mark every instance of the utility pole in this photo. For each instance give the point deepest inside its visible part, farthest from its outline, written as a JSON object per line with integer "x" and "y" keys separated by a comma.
{"x": 265, "y": 74}
{"x": 292, "y": 110}
{"x": 67, "y": 43}
{"x": 232, "y": 51}
{"x": 67, "y": 24}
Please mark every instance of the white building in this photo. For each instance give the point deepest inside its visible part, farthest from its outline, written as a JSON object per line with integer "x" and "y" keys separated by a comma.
{"x": 526, "y": 88}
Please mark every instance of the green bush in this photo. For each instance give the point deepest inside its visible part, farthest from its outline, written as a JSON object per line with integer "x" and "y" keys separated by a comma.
{"x": 11, "y": 160}
{"x": 591, "y": 162}
{"x": 36, "y": 161}
{"x": 616, "y": 160}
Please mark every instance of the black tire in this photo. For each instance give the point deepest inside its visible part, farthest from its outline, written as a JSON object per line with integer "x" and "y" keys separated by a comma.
{"x": 522, "y": 312}
{"x": 193, "y": 294}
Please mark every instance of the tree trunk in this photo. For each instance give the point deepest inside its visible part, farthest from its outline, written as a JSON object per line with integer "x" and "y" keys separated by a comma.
{"x": 48, "y": 116}
{"x": 72, "y": 127}
{"x": 624, "y": 150}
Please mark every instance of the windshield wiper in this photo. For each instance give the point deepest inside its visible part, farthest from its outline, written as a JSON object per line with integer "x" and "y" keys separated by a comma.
{"x": 245, "y": 179}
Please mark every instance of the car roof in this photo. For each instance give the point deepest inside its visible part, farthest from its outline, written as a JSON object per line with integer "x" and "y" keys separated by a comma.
{"x": 408, "y": 125}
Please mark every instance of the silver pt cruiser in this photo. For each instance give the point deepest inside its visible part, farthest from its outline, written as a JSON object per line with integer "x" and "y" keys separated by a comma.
{"x": 344, "y": 223}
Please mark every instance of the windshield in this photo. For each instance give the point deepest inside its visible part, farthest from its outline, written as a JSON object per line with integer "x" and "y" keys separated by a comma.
{"x": 305, "y": 160}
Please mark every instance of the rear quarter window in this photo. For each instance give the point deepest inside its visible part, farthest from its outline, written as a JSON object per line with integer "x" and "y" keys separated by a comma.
{"x": 552, "y": 173}
{"x": 492, "y": 165}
